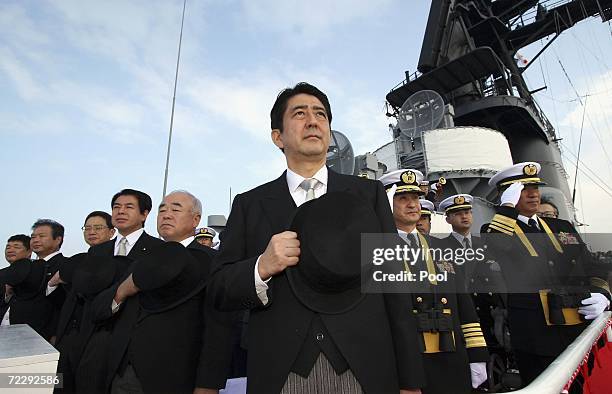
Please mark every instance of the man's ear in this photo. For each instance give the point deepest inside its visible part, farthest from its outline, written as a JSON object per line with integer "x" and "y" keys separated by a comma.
{"x": 447, "y": 219}
{"x": 276, "y": 135}
{"x": 196, "y": 221}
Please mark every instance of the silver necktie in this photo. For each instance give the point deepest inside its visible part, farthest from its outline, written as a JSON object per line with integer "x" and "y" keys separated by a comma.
{"x": 466, "y": 243}
{"x": 122, "y": 250}
{"x": 309, "y": 184}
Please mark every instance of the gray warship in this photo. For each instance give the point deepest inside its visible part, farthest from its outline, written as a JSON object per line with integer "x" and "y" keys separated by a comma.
{"x": 469, "y": 92}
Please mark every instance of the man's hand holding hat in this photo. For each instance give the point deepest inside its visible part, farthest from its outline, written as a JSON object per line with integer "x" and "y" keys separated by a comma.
{"x": 126, "y": 289}
{"x": 282, "y": 251}
{"x": 512, "y": 195}
{"x": 593, "y": 306}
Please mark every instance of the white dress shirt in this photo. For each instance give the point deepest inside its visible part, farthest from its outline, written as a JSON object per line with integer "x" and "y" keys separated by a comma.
{"x": 187, "y": 241}
{"x": 525, "y": 220}
{"x": 131, "y": 238}
{"x": 299, "y": 197}
{"x": 460, "y": 237}
{"x": 5, "y": 318}
{"x": 47, "y": 258}
{"x": 404, "y": 235}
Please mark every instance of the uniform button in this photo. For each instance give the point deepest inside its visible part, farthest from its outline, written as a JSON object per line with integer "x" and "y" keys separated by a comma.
{"x": 320, "y": 337}
{"x": 551, "y": 263}
{"x": 419, "y": 299}
{"x": 486, "y": 279}
{"x": 490, "y": 293}
{"x": 444, "y": 300}
{"x": 490, "y": 306}
{"x": 472, "y": 280}
{"x": 477, "y": 308}
{"x": 475, "y": 294}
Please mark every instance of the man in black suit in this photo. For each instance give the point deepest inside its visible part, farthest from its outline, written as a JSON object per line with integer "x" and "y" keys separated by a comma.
{"x": 41, "y": 309}
{"x": 17, "y": 248}
{"x": 97, "y": 229}
{"x": 547, "y": 270}
{"x": 188, "y": 344}
{"x": 292, "y": 349}
{"x": 106, "y": 341}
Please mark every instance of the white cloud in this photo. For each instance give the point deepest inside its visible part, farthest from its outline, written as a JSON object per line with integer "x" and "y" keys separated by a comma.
{"x": 23, "y": 80}
{"x": 299, "y": 22}
{"x": 244, "y": 104}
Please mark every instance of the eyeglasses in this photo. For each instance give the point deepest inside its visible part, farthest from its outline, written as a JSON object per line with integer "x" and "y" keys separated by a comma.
{"x": 94, "y": 228}
{"x": 548, "y": 214}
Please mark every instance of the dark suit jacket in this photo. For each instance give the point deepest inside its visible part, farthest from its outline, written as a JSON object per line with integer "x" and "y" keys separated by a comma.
{"x": 121, "y": 323}
{"x": 175, "y": 350}
{"x": 40, "y": 312}
{"x": 3, "y": 305}
{"x": 377, "y": 338}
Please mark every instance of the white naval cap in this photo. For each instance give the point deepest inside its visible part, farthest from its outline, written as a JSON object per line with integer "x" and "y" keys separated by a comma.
{"x": 456, "y": 202}
{"x": 406, "y": 181}
{"x": 427, "y": 207}
{"x": 525, "y": 173}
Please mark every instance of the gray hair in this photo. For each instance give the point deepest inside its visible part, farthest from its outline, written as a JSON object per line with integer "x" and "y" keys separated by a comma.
{"x": 196, "y": 205}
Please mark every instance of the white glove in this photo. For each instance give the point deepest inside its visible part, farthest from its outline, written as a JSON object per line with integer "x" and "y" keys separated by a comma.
{"x": 512, "y": 194}
{"x": 434, "y": 187}
{"x": 593, "y": 306}
{"x": 478, "y": 371}
{"x": 390, "y": 194}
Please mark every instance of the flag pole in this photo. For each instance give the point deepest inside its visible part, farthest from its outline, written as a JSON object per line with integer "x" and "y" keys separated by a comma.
{"x": 178, "y": 58}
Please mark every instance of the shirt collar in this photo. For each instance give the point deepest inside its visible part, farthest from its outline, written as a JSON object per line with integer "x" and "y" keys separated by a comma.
{"x": 460, "y": 237}
{"x": 525, "y": 219}
{"x": 294, "y": 180}
{"x": 49, "y": 257}
{"x": 187, "y": 241}
{"x": 414, "y": 231}
{"x": 131, "y": 238}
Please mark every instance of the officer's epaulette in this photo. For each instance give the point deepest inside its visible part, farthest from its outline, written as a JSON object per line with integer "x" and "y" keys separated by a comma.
{"x": 503, "y": 224}
{"x": 473, "y": 335}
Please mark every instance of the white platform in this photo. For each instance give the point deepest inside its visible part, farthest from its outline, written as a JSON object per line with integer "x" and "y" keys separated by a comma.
{"x": 23, "y": 351}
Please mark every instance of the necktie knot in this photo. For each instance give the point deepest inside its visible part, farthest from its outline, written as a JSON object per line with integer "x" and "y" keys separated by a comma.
{"x": 466, "y": 243}
{"x": 309, "y": 184}
{"x": 122, "y": 250}
{"x": 532, "y": 223}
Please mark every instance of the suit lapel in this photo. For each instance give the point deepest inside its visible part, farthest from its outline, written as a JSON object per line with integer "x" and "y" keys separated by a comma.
{"x": 140, "y": 247}
{"x": 278, "y": 205}
{"x": 451, "y": 238}
{"x": 107, "y": 248}
{"x": 335, "y": 182}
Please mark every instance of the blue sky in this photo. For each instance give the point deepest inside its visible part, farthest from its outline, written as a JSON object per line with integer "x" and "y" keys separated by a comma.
{"x": 87, "y": 90}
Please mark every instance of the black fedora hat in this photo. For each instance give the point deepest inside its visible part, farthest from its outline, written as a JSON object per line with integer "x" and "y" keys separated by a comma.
{"x": 96, "y": 273}
{"x": 327, "y": 279}
{"x": 27, "y": 278}
{"x": 67, "y": 266}
{"x": 169, "y": 275}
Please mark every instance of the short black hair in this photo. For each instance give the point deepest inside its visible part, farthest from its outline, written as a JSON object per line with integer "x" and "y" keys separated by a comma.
{"x": 24, "y": 239}
{"x": 144, "y": 200}
{"x": 107, "y": 218}
{"x": 57, "y": 230}
{"x": 280, "y": 105}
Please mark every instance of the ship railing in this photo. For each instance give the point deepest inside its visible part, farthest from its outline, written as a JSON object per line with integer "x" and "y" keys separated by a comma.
{"x": 562, "y": 372}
